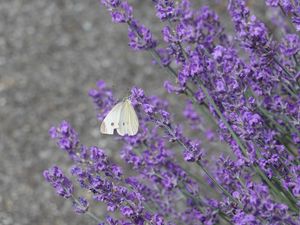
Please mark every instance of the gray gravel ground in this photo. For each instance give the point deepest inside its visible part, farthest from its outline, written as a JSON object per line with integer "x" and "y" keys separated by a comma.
{"x": 51, "y": 54}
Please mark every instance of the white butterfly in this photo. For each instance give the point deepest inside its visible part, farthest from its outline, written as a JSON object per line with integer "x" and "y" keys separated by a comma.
{"x": 123, "y": 118}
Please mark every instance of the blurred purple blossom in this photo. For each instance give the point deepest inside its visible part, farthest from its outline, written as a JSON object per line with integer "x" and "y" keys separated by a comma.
{"x": 242, "y": 99}
{"x": 59, "y": 182}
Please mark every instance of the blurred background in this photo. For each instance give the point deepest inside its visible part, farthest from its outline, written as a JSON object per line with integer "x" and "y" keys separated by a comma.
{"x": 51, "y": 54}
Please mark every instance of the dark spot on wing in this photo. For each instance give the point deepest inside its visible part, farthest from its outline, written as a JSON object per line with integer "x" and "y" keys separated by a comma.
{"x": 123, "y": 124}
{"x": 112, "y": 124}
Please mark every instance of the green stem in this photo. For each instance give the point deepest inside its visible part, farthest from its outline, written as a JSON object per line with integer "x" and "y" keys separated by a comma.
{"x": 282, "y": 140}
{"x": 188, "y": 195}
{"x": 277, "y": 193}
{"x": 295, "y": 59}
{"x": 216, "y": 108}
{"x": 290, "y": 90}
{"x": 287, "y": 192}
{"x": 217, "y": 184}
{"x": 202, "y": 107}
{"x": 201, "y": 203}
{"x": 269, "y": 116}
{"x": 225, "y": 192}
{"x": 257, "y": 169}
{"x": 90, "y": 214}
{"x": 172, "y": 72}
{"x": 236, "y": 138}
{"x": 282, "y": 67}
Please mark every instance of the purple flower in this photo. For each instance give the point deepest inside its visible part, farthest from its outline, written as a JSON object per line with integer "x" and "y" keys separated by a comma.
{"x": 67, "y": 138}
{"x": 158, "y": 219}
{"x": 290, "y": 45}
{"x": 127, "y": 211}
{"x": 288, "y": 7}
{"x": 241, "y": 218}
{"x": 184, "y": 11}
{"x": 165, "y": 55}
{"x": 140, "y": 37}
{"x": 59, "y": 182}
{"x": 185, "y": 32}
{"x": 81, "y": 206}
{"x": 272, "y": 2}
{"x": 123, "y": 14}
{"x": 172, "y": 88}
{"x": 237, "y": 137}
{"x": 103, "y": 99}
{"x": 296, "y": 19}
{"x": 200, "y": 96}
{"x": 111, "y": 3}
{"x": 165, "y": 9}
{"x": 168, "y": 35}
{"x": 193, "y": 117}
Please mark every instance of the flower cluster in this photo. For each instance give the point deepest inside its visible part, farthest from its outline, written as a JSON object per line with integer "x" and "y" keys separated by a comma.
{"x": 233, "y": 157}
{"x": 59, "y": 182}
{"x": 290, "y": 8}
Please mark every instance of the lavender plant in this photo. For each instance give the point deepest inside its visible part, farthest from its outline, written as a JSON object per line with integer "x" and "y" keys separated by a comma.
{"x": 242, "y": 99}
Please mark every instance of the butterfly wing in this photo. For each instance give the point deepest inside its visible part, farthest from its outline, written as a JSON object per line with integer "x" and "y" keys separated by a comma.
{"x": 128, "y": 123}
{"x": 111, "y": 121}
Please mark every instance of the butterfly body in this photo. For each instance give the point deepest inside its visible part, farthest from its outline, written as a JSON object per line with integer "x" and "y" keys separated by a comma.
{"x": 121, "y": 117}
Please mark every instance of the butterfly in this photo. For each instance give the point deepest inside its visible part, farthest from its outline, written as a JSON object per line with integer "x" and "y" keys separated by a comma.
{"x": 121, "y": 117}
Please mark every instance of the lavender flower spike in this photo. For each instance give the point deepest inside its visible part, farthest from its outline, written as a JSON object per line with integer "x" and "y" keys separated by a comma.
{"x": 59, "y": 182}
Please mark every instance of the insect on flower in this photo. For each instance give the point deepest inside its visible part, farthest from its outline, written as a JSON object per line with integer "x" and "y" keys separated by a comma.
{"x": 121, "y": 117}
